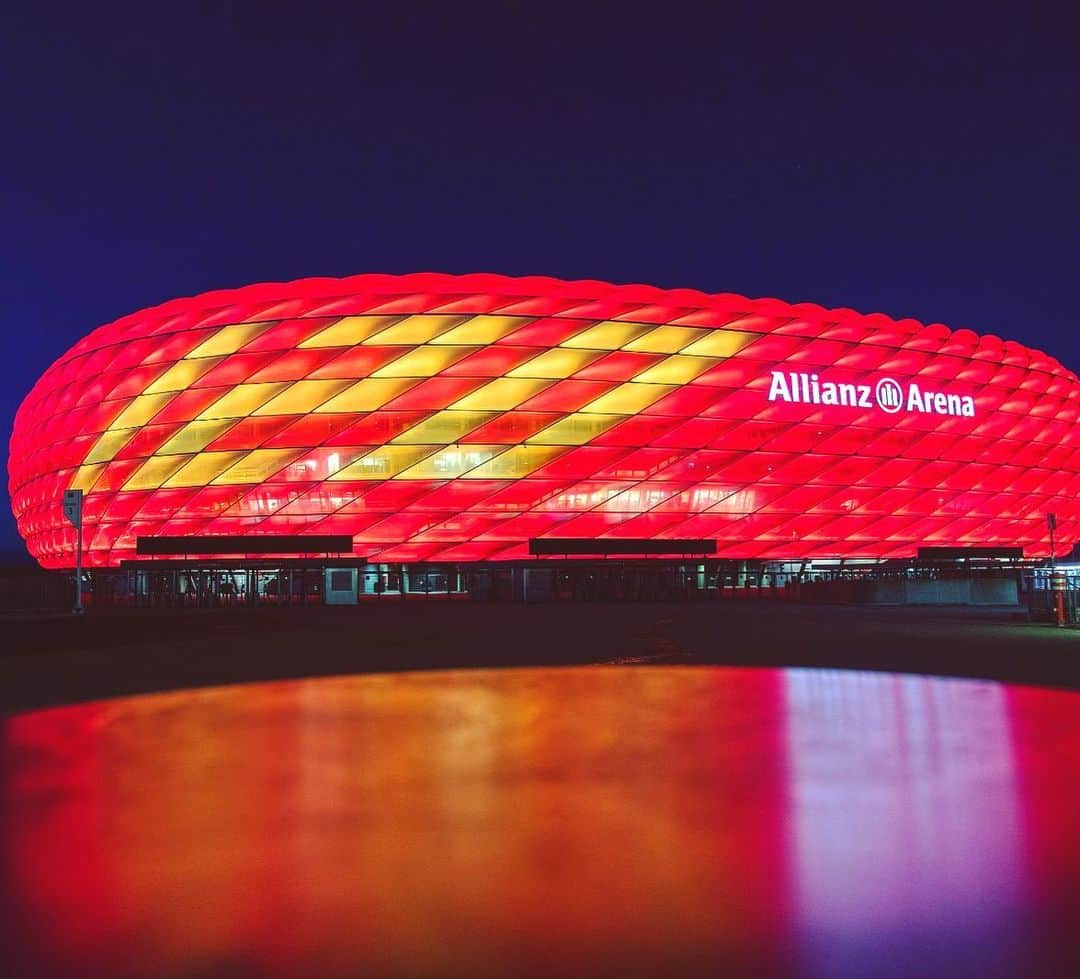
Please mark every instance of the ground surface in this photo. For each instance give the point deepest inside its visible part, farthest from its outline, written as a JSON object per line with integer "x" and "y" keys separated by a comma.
{"x": 598, "y": 822}
{"x": 58, "y": 660}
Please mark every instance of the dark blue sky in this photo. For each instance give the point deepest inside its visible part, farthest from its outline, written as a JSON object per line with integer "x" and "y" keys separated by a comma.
{"x": 918, "y": 165}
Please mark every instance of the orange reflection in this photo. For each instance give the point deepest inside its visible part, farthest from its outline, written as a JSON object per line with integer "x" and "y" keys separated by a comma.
{"x": 472, "y": 823}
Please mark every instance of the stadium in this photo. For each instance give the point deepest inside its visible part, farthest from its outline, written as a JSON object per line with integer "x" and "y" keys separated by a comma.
{"x": 404, "y": 432}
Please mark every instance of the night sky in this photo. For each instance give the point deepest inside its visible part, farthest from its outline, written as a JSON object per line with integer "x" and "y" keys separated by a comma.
{"x": 917, "y": 166}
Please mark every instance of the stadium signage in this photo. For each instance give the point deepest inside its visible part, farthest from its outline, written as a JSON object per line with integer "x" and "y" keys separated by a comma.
{"x": 887, "y": 394}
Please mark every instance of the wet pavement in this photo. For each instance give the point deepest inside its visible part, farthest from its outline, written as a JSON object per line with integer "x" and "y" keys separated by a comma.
{"x": 583, "y": 821}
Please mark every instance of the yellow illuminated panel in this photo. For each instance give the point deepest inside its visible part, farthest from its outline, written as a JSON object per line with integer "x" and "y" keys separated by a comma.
{"x": 481, "y": 330}
{"x": 413, "y": 330}
{"x": 444, "y": 426}
{"x": 228, "y": 340}
{"x": 629, "y": 398}
{"x": 302, "y": 397}
{"x": 141, "y": 410}
{"x": 367, "y": 394}
{"x": 665, "y": 340}
{"x": 86, "y": 477}
{"x": 576, "y": 429}
{"x": 608, "y": 335}
{"x": 423, "y": 362}
{"x": 502, "y": 394}
{"x": 349, "y": 331}
{"x": 257, "y": 465}
{"x": 108, "y": 445}
{"x": 451, "y": 462}
{"x": 556, "y": 363}
{"x": 152, "y": 473}
{"x": 243, "y": 399}
{"x": 516, "y": 462}
{"x": 383, "y": 462}
{"x": 720, "y": 343}
{"x": 196, "y": 435}
{"x": 203, "y": 468}
{"x": 677, "y": 369}
{"x": 182, "y": 375}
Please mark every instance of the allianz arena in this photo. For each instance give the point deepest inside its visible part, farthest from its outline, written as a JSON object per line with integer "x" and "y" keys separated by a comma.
{"x": 456, "y": 419}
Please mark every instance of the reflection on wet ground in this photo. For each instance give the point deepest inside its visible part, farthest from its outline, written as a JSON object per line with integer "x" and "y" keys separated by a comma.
{"x": 589, "y": 821}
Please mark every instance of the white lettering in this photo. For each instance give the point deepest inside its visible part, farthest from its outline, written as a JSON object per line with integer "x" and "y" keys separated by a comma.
{"x": 886, "y": 393}
{"x": 778, "y": 389}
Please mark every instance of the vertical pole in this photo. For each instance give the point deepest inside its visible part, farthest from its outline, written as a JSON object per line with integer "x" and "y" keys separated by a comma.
{"x": 78, "y": 610}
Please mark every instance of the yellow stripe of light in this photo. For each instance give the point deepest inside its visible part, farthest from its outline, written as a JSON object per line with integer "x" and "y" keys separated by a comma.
{"x": 228, "y": 340}
{"x": 516, "y": 462}
{"x": 195, "y": 436}
{"x": 108, "y": 445}
{"x": 629, "y": 398}
{"x": 302, "y": 397}
{"x": 556, "y": 363}
{"x": 608, "y": 335}
{"x": 444, "y": 426}
{"x": 575, "y": 429}
{"x": 451, "y": 462}
{"x": 86, "y": 477}
{"x": 182, "y": 375}
{"x": 481, "y": 330}
{"x": 367, "y": 394}
{"x": 413, "y": 330}
{"x": 141, "y": 410}
{"x": 665, "y": 340}
{"x": 152, "y": 473}
{"x": 720, "y": 343}
{"x": 677, "y": 369}
{"x": 423, "y": 362}
{"x": 502, "y": 394}
{"x": 203, "y": 468}
{"x": 257, "y": 465}
{"x": 383, "y": 462}
{"x": 349, "y": 331}
{"x": 243, "y": 399}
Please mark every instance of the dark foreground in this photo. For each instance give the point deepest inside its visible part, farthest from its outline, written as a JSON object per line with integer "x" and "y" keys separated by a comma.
{"x": 591, "y": 822}
{"x": 62, "y": 660}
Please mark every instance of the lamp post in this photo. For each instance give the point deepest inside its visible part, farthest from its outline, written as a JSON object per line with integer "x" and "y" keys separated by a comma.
{"x": 73, "y": 511}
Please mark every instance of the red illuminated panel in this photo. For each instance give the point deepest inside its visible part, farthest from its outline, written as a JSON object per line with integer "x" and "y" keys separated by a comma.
{"x": 449, "y": 418}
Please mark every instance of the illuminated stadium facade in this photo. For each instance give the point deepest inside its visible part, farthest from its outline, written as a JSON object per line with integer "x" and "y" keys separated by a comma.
{"x": 435, "y": 418}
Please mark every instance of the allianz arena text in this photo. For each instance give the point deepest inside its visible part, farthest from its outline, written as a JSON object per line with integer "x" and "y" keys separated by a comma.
{"x": 438, "y": 418}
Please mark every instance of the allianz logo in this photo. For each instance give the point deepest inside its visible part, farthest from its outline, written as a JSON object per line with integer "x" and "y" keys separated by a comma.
{"x": 887, "y": 394}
